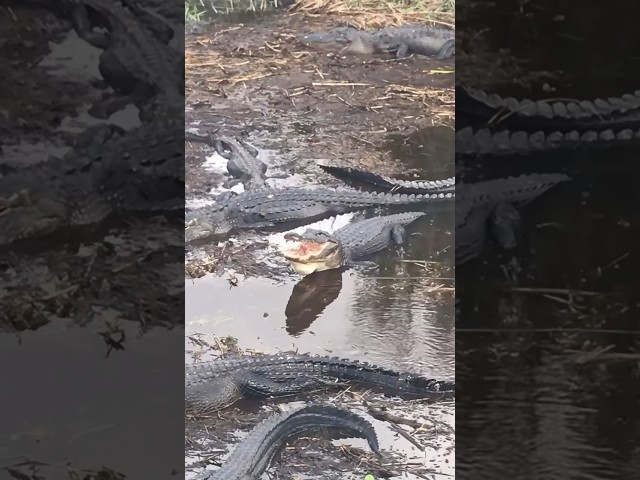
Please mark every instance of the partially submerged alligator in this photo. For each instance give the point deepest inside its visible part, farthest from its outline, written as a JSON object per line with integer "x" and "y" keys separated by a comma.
{"x": 384, "y": 183}
{"x": 264, "y": 208}
{"x": 505, "y": 142}
{"x": 253, "y": 456}
{"x": 317, "y": 250}
{"x": 140, "y": 170}
{"x": 486, "y": 210}
{"x": 561, "y": 116}
{"x": 403, "y": 40}
{"x": 211, "y": 386}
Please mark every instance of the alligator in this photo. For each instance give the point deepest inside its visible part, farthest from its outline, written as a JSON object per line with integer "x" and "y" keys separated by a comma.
{"x": 551, "y": 114}
{"x": 505, "y": 142}
{"x": 242, "y": 164}
{"x": 316, "y": 250}
{"x": 253, "y": 456}
{"x": 384, "y": 183}
{"x": 265, "y": 208}
{"x": 141, "y": 170}
{"x": 403, "y": 40}
{"x": 216, "y": 384}
{"x": 134, "y": 61}
{"x": 486, "y": 210}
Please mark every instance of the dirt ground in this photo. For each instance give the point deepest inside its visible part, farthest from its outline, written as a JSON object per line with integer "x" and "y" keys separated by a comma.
{"x": 304, "y": 103}
{"x": 51, "y": 278}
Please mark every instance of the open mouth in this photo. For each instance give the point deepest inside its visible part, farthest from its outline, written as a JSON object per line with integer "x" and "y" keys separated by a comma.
{"x": 304, "y": 250}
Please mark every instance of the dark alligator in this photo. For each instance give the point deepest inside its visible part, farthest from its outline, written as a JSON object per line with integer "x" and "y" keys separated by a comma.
{"x": 140, "y": 170}
{"x": 264, "y": 208}
{"x": 486, "y": 210}
{"x": 135, "y": 61}
{"x": 242, "y": 164}
{"x": 615, "y": 113}
{"x": 505, "y": 142}
{"x": 317, "y": 250}
{"x": 403, "y": 40}
{"x": 384, "y": 183}
{"x": 253, "y": 456}
{"x": 211, "y": 386}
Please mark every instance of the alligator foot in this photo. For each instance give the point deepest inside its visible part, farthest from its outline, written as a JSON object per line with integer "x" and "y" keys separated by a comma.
{"x": 82, "y": 25}
{"x": 447, "y": 50}
{"x": 106, "y": 107}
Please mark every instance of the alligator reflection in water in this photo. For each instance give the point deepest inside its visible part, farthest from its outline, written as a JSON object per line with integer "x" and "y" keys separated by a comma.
{"x": 309, "y": 298}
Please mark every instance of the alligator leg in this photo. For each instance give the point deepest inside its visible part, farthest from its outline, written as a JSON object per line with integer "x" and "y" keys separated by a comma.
{"x": 447, "y": 50}
{"x": 398, "y": 237}
{"x": 110, "y": 104}
{"x": 505, "y": 223}
{"x": 82, "y": 25}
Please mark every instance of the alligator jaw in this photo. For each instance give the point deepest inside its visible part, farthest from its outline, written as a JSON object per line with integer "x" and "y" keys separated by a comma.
{"x": 313, "y": 255}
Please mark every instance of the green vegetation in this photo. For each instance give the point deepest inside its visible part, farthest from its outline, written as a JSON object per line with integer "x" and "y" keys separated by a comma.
{"x": 195, "y": 9}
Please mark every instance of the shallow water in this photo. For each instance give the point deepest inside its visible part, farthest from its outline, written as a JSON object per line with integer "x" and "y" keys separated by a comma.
{"x": 544, "y": 401}
{"x": 398, "y": 314}
{"x": 127, "y": 399}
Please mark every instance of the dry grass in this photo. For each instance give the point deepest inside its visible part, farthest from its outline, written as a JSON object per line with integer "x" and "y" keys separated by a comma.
{"x": 376, "y": 14}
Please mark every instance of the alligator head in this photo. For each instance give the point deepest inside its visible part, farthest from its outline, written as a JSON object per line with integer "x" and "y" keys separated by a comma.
{"x": 314, "y": 251}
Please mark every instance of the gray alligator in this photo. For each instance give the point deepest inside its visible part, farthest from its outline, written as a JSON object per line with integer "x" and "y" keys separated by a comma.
{"x": 403, "y": 40}
{"x": 265, "y": 208}
{"x": 388, "y": 184}
{"x": 213, "y": 385}
{"x": 552, "y": 114}
{"x": 135, "y": 61}
{"x": 505, "y": 142}
{"x": 140, "y": 170}
{"x": 242, "y": 164}
{"x": 253, "y": 456}
{"x": 317, "y": 250}
{"x": 487, "y": 211}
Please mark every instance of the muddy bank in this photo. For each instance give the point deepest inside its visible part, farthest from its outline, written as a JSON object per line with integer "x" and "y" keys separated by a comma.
{"x": 300, "y": 105}
{"x": 79, "y": 305}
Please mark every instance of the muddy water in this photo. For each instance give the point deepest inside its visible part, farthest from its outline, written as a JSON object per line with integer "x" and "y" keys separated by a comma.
{"x": 59, "y": 362}
{"x": 397, "y": 312}
{"x": 557, "y": 397}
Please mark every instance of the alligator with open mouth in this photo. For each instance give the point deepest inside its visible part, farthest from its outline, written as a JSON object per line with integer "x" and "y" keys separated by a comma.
{"x": 389, "y": 184}
{"x": 317, "y": 250}
{"x": 254, "y": 455}
{"x": 213, "y": 385}
{"x": 402, "y": 40}
{"x": 487, "y": 211}
{"x": 265, "y": 208}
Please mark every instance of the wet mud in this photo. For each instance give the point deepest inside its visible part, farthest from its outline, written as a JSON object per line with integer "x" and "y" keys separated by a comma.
{"x": 553, "y": 320}
{"x": 79, "y": 304}
{"x": 301, "y": 105}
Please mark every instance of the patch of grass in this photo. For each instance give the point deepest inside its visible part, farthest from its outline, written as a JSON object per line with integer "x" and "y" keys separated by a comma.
{"x": 195, "y": 9}
{"x": 377, "y": 13}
